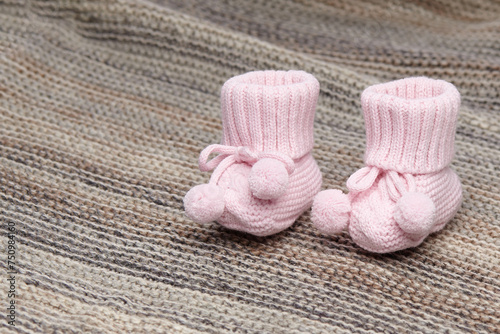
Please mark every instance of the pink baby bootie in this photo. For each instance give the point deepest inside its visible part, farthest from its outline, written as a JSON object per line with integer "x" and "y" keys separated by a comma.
{"x": 407, "y": 189}
{"x": 265, "y": 176}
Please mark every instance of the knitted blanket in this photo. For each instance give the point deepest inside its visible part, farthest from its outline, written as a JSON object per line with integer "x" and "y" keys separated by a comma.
{"x": 105, "y": 107}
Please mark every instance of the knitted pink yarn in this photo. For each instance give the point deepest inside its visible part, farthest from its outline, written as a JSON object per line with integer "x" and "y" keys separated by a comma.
{"x": 205, "y": 202}
{"x": 407, "y": 189}
{"x": 330, "y": 211}
{"x": 268, "y": 179}
{"x": 264, "y": 169}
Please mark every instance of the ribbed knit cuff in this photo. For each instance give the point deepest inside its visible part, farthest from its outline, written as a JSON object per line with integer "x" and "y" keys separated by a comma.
{"x": 270, "y": 111}
{"x": 410, "y": 124}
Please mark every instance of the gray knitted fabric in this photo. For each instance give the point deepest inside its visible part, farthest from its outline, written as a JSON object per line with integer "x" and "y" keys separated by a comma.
{"x": 106, "y": 105}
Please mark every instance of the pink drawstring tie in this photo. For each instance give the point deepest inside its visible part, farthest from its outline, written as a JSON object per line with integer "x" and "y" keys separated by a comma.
{"x": 364, "y": 178}
{"x": 240, "y": 154}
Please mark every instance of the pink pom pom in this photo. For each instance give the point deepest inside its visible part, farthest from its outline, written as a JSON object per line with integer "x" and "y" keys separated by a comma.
{"x": 204, "y": 203}
{"x": 268, "y": 179}
{"x": 415, "y": 213}
{"x": 330, "y": 211}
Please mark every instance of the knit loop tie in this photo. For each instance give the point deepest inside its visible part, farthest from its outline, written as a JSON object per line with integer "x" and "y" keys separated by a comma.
{"x": 397, "y": 183}
{"x": 240, "y": 154}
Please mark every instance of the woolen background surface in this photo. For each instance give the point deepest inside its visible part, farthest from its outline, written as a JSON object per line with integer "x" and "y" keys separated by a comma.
{"x": 106, "y": 105}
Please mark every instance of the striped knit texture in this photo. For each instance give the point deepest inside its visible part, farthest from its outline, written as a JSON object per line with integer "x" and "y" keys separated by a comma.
{"x": 106, "y": 105}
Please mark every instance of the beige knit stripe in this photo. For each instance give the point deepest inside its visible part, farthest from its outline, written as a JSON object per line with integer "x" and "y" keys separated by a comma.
{"x": 141, "y": 262}
{"x": 141, "y": 128}
{"x": 108, "y": 202}
{"x": 205, "y": 34}
{"x": 132, "y": 316}
{"x": 97, "y": 320}
{"x": 322, "y": 20}
{"x": 55, "y": 141}
{"x": 493, "y": 262}
{"x": 456, "y": 58}
{"x": 58, "y": 310}
{"x": 103, "y": 178}
{"x": 486, "y": 272}
{"x": 488, "y": 227}
{"x": 93, "y": 197}
{"x": 216, "y": 113}
{"x": 139, "y": 190}
{"x": 145, "y": 294}
{"x": 141, "y": 291}
{"x": 486, "y": 152}
{"x": 482, "y": 271}
{"x": 55, "y": 138}
{"x": 119, "y": 198}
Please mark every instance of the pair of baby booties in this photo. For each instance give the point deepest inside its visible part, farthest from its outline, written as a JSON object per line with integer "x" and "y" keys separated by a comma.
{"x": 265, "y": 176}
